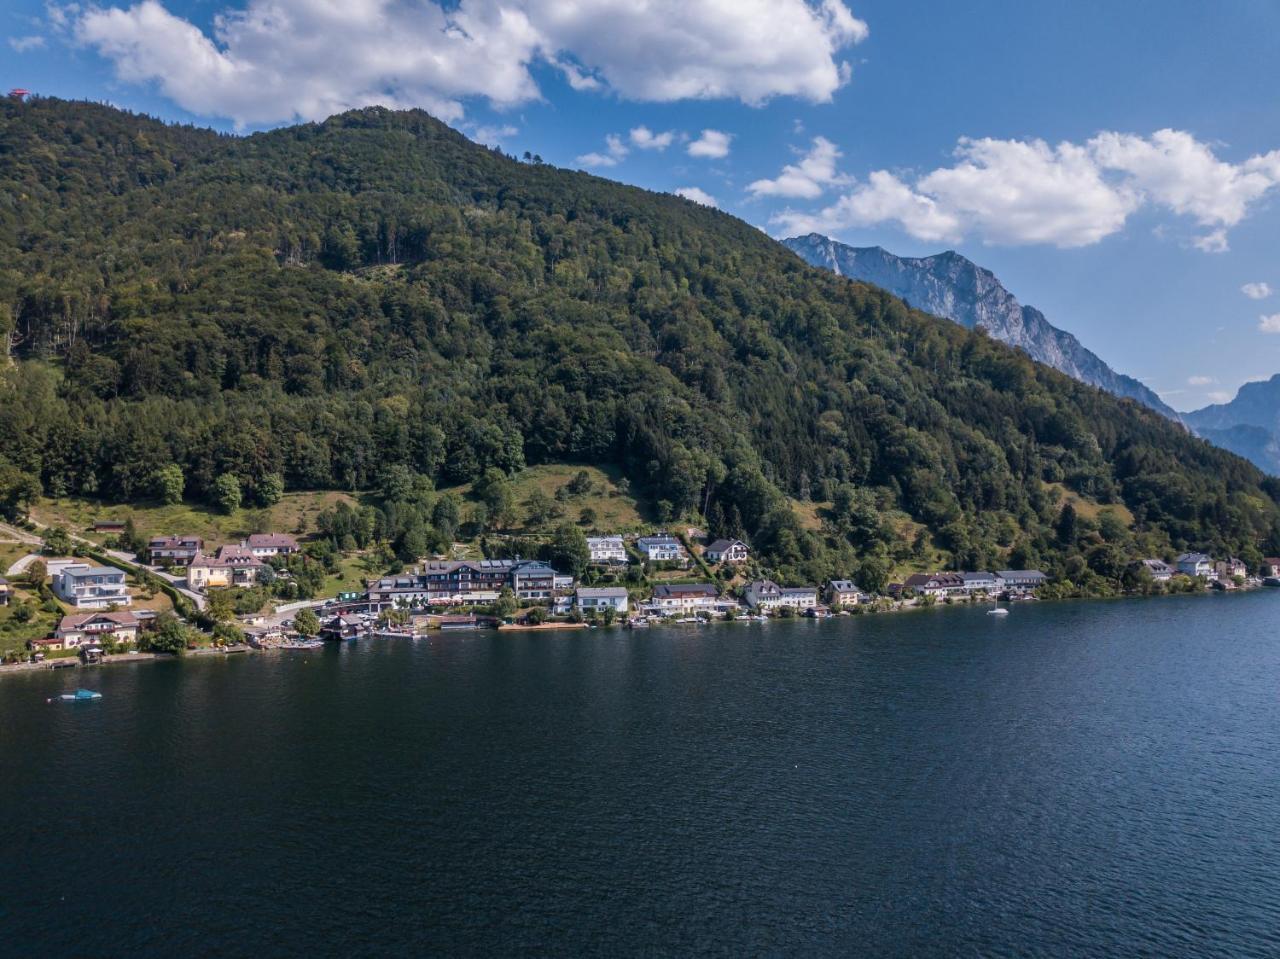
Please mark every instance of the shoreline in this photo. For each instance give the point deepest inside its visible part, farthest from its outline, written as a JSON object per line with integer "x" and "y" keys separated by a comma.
{"x": 116, "y": 659}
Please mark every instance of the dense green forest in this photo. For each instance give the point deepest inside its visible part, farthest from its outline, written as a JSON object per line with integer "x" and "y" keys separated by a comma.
{"x": 350, "y": 303}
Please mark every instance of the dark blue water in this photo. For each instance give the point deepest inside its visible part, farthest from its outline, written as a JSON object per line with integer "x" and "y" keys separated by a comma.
{"x": 1078, "y": 779}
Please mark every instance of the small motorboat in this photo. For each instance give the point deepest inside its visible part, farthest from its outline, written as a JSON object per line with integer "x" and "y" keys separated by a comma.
{"x": 998, "y": 612}
{"x": 80, "y": 695}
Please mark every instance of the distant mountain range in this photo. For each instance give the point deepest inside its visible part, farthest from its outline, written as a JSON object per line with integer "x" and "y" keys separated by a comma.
{"x": 956, "y": 288}
{"x": 1249, "y": 425}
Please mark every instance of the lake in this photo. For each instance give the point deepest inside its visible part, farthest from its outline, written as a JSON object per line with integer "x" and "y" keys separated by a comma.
{"x": 1079, "y": 778}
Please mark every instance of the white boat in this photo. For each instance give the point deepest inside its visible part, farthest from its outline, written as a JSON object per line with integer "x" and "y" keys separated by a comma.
{"x": 997, "y": 612}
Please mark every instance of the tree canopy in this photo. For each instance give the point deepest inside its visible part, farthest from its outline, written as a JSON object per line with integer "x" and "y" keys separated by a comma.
{"x": 225, "y": 318}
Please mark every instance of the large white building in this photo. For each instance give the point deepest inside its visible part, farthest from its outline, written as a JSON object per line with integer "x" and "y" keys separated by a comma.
{"x": 766, "y": 594}
{"x": 685, "y": 599}
{"x": 599, "y": 598}
{"x": 92, "y": 587}
{"x": 271, "y": 544}
{"x": 606, "y": 550}
{"x": 1197, "y": 564}
{"x": 662, "y": 549}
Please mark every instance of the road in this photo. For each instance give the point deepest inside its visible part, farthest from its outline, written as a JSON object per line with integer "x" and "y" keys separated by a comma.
{"x": 13, "y": 534}
{"x": 22, "y": 536}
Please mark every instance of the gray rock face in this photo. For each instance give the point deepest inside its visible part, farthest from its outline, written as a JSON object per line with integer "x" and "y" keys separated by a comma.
{"x": 953, "y": 287}
{"x": 1249, "y": 425}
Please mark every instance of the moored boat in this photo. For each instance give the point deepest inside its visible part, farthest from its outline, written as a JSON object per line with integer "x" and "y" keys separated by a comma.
{"x": 79, "y": 696}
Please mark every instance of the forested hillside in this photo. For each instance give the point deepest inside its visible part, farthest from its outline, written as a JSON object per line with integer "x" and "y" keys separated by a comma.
{"x": 315, "y": 306}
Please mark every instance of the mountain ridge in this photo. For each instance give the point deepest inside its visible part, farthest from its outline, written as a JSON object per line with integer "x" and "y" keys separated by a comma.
{"x": 952, "y": 286}
{"x": 374, "y": 303}
{"x": 1248, "y": 425}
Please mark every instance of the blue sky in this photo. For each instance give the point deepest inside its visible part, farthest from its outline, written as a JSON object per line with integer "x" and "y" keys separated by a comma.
{"x": 1114, "y": 164}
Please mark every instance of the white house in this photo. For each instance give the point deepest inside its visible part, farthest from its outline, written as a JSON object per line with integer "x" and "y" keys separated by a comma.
{"x": 1196, "y": 564}
{"x": 1021, "y": 580}
{"x": 766, "y": 594}
{"x": 92, "y": 587}
{"x": 606, "y": 550}
{"x": 936, "y": 584}
{"x": 1161, "y": 572}
{"x": 980, "y": 582}
{"x": 685, "y": 599}
{"x": 271, "y": 544}
{"x": 727, "y": 551}
{"x": 662, "y": 549}
{"x": 799, "y": 597}
{"x": 597, "y": 598}
{"x": 82, "y": 629}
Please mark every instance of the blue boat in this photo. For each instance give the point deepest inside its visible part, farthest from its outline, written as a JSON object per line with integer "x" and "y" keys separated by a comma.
{"x": 79, "y": 695}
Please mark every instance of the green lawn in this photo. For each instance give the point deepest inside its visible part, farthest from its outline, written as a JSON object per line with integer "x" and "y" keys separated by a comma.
{"x": 13, "y": 634}
{"x": 351, "y": 571}
{"x": 1087, "y": 508}
{"x": 616, "y": 512}
{"x": 78, "y": 516}
{"x": 11, "y": 553}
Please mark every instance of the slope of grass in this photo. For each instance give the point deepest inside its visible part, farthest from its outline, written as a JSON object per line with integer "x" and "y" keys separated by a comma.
{"x": 13, "y": 634}
{"x": 616, "y": 511}
{"x": 1087, "y": 508}
{"x": 294, "y": 511}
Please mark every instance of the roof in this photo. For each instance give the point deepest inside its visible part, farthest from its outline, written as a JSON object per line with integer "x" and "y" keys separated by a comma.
{"x": 602, "y": 592}
{"x": 686, "y": 589}
{"x": 796, "y": 590}
{"x": 175, "y": 541}
{"x": 77, "y": 571}
{"x": 940, "y": 579}
{"x": 611, "y": 538}
{"x": 662, "y": 539}
{"x": 260, "y": 540}
{"x": 723, "y": 545}
{"x": 532, "y": 566}
{"x": 228, "y": 556}
{"x": 1195, "y": 558}
{"x": 1020, "y": 574}
{"x": 3, "y": 581}
{"x": 76, "y": 620}
{"x": 843, "y": 586}
{"x": 975, "y": 577}
{"x": 452, "y": 566}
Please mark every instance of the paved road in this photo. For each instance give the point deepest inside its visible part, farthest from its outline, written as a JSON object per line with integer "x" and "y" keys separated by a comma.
{"x": 131, "y": 559}
{"x": 21, "y": 564}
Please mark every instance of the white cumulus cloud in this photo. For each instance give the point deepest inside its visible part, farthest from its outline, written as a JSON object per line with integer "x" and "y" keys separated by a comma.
{"x": 1199, "y": 380}
{"x": 269, "y": 61}
{"x": 614, "y": 153}
{"x": 1269, "y": 324}
{"x": 643, "y": 138}
{"x": 1219, "y": 396}
{"x": 806, "y": 179}
{"x": 1256, "y": 291}
{"x": 884, "y": 198}
{"x": 1030, "y": 192}
{"x": 491, "y": 135}
{"x": 711, "y": 144}
{"x": 697, "y": 195}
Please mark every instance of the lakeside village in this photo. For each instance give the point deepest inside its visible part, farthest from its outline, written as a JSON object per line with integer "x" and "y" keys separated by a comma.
{"x": 102, "y": 622}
